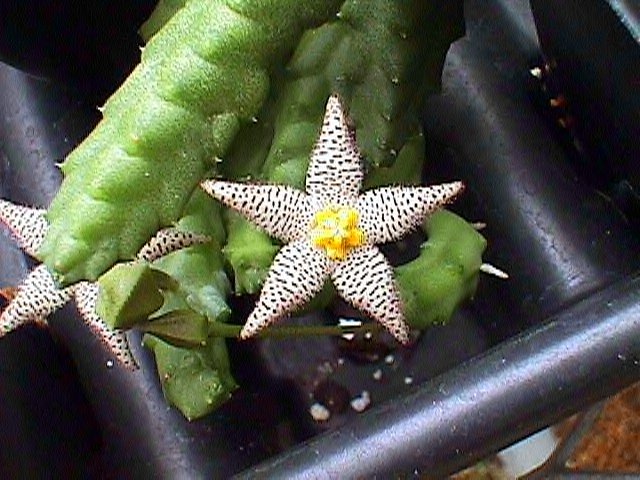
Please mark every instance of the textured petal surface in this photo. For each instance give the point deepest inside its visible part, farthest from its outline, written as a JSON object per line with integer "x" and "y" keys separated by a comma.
{"x": 365, "y": 279}
{"x": 283, "y": 212}
{"x": 298, "y": 272}
{"x": 389, "y": 213}
{"x": 169, "y": 240}
{"x": 335, "y": 169}
{"x": 37, "y": 298}
{"x": 28, "y": 225}
{"x": 86, "y": 296}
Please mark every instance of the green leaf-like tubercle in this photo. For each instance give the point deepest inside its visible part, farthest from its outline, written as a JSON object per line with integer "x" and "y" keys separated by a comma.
{"x": 446, "y": 272}
{"x": 406, "y": 170}
{"x": 195, "y": 380}
{"x": 203, "y": 75}
{"x": 248, "y": 251}
{"x": 129, "y": 293}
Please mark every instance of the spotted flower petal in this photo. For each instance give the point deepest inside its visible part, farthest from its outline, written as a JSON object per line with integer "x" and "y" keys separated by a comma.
{"x": 389, "y": 213}
{"x": 169, "y": 240}
{"x": 37, "y": 298}
{"x": 28, "y": 225}
{"x": 365, "y": 279}
{"x": 86, "y": 297}
{"x": 298, "y": 272}
{"x": 335, "y": 169}
{"x": 333, "y": 229}
{"x": 282, "y": 212}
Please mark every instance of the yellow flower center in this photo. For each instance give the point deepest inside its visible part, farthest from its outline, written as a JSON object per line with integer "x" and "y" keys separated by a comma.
{"x": 335, "y": 229}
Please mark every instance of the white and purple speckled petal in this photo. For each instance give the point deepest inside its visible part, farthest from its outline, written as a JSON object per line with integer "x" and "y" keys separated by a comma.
{"x": 169, "y": 240}
{"x": 86, "y": 296}
{"x": 37, "y": 297}
{"x": 283, "y": 212}
{"x": 365, "y": 279}
{"x": 298, "y": 272}
{"x": 28, "y": 225}
{"x": 389, "y": 213}
{"x": 335, "y": 168}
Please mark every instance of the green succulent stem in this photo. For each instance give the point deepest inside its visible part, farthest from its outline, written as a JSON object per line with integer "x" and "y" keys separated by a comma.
{"x": 201, "y": 77}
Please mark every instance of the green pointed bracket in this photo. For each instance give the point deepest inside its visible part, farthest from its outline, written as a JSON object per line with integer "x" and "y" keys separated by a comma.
{"x": 130, "y": 293}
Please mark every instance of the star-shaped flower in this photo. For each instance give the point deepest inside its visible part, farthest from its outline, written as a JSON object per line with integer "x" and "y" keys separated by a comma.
{"x": 38, "y": 296}
{"x": 331, "y": 230}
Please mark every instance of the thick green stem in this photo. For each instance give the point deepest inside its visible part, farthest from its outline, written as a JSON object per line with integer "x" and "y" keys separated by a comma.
{"x": 201, "y": 77}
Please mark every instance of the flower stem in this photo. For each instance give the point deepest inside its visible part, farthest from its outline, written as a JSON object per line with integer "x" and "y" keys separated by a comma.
{"x": 224, "y": 330}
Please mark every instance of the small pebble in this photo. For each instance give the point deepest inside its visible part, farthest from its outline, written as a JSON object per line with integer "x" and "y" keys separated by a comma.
{"x": 389, "y": 359}
{"x": 360, "y": 404}
{"x": 377, "y": 375}
{"x": 109, "y": 363}
{"x": 408, "y": 380}
{"x": 332, "y": 395}
{"x": 325, "y": 368}
{"x": 319, "y": 412}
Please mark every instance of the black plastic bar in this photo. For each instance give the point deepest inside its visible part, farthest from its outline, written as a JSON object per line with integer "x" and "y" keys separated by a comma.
{"x": 584, "y": 354}
{"x": 595, "y": 49}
